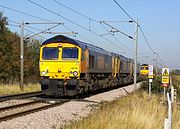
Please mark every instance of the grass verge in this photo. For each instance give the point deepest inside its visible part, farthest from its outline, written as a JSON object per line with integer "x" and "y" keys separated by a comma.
{"x": 176, "y": 84}
{"x": 136, "y": 111}
{"x": 8, "y": 89}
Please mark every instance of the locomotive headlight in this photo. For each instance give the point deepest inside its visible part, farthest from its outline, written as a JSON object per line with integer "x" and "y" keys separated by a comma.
{"x": 75, "y": 73}
{"x": 43, "y": 73}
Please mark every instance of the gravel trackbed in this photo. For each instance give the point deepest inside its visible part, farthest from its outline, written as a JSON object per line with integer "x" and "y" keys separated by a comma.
{"x": 58, "y": 116}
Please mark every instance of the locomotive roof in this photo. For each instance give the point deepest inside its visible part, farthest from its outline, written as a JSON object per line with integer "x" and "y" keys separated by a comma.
{"x": 144, "y": 65}
{"x": 62, "y": 39}
{"x": 123, "y": 58}
{"x": 83, "y": 45}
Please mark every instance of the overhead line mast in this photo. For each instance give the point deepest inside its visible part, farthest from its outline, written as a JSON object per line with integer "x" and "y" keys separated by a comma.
{"x": 137, "y": 25}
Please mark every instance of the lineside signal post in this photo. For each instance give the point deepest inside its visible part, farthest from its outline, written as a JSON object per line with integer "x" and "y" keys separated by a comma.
{"x": 150, "y": 76}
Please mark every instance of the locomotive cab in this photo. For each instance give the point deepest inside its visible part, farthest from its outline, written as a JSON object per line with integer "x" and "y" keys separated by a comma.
{"x": 60, "y": 68}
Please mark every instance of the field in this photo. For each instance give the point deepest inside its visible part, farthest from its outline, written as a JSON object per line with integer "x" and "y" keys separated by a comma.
{"x": 7, "y": 89}
{"x": 136, "y": 111}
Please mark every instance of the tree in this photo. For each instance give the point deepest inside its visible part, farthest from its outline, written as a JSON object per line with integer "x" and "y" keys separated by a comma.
{"x": 3, "y": 46}
{"x": 10, "y": 56}
{"x": 3, "y": 22}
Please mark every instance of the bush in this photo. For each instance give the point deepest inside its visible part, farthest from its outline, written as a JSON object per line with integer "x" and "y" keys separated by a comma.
{"x": 156, "y": 86}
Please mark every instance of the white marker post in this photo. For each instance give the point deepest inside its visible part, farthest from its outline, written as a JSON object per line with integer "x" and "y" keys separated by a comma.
{"x": 150, "y": 76}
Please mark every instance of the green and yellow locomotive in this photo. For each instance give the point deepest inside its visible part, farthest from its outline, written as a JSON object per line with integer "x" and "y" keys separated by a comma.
{"x": 69, "y": 67}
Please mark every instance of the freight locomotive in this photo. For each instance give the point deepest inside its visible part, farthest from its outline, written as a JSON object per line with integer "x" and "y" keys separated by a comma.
{"x": 69, "y": 67}
{"x": 144, "y": 70}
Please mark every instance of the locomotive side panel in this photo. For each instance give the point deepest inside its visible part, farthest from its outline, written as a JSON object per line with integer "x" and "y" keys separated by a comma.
{"x": 108, "y": 63}
{"x": 85, "y": 61}
{"x": 123, "y": 66}
{"x": 100, "y": 61}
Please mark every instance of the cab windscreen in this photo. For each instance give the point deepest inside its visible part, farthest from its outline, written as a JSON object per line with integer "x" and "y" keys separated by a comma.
{"x": 70, "y": 53}
{"x": 50, "y": 53}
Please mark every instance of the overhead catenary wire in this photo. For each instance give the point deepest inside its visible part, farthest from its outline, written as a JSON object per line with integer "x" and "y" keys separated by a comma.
{"x": 117, "y": 30}
{"x": 130, "y": 50}
{"x": 33, "y": 34}
{"x": 146, "y": 40}
{"x": 70, "y": 21}
{"x": 89, "y": 18}
{"x": 116, "y": 38}
{"x": 13, "y": 21}
{"x": 74, "y": 11}
{"x": 29, "y": 26}
{"x": 27, "y": 14}
{"x": 78, "y": 34}
{"x": 138, "y": 26}
{"x": 44, "y": 31}
{"x": 59, "y": 15}
{"x": 125, "y": 11}
{"x": 18, "y": 25}
{"x": 134, "y": 22}
{"x": 13, "y": 25}
{"x": 37, "y": 17}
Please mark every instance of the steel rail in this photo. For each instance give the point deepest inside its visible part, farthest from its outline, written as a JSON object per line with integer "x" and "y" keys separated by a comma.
{"x": 19, "y": 105}
{"x": 18, "y": 96}
{"x": 29, "y": 111}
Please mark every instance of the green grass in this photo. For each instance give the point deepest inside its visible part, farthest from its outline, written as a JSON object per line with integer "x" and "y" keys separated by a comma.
{"x": 8, "y": 89}
{"x": 136, "y": 111}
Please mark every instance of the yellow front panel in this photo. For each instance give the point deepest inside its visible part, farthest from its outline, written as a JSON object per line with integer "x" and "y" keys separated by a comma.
{"x": 144, "y": 70}
{"x": 60, "y": 68}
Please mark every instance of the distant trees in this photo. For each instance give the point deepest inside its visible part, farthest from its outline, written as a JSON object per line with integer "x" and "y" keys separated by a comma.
{"x": 10, "y": 56}
{"x": 176, "y": 72}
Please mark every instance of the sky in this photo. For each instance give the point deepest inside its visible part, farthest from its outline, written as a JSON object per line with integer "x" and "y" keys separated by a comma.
{"x": 159, "y": 21}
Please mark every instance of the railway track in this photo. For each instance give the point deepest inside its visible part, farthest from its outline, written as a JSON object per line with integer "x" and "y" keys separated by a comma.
{"x": 18, "y": 110}
{"x": 35, "y": 105}
{"x": 20, "y": 96}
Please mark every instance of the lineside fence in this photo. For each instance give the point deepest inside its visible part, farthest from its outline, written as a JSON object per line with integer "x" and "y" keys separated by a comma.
{"x": 171, "y": 100}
